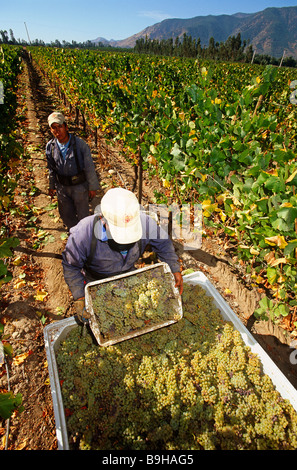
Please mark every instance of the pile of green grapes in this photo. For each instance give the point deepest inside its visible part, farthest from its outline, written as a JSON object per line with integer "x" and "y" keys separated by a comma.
{"x": 132, "y": 303}
{"x": 193, "y": 385}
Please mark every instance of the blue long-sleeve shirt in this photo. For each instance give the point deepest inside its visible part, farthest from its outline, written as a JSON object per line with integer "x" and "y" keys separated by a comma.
{"x": 66, "y": 165}
{"x": 107, "y": 262}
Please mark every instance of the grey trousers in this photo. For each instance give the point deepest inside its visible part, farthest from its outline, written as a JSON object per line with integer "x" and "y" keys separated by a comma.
{"x": 73, "y": 203}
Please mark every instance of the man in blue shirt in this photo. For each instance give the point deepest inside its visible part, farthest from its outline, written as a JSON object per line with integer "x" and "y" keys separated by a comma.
{"x": 72, "y": 174}
{"x": 110, "y": 242}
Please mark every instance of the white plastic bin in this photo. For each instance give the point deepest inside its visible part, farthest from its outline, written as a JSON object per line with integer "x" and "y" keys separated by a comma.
{"x": 56, "y": 332}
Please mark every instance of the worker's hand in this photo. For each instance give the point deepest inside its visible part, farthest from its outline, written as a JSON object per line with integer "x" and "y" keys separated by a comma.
{"x": 179, "y": 283}
{"x": 82, "y": 315}
{"x": 92, "y": 194}
{"x": 52, "y": 192}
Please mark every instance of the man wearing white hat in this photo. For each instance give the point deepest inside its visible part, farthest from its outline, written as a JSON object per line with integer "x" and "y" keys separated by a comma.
{"x": 110, "y": 243}
{"x": 72, "y": 174}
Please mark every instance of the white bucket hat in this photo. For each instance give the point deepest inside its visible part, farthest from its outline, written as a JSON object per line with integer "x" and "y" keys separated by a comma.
{"x": 120, "y": 208}
{"x": 57, "y": 118}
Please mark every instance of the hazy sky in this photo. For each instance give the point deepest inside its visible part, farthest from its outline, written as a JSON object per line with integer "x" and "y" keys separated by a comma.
{"x": 114, "y": 19}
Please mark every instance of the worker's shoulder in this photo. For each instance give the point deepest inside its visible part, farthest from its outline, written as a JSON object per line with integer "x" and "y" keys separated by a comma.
{"x": 148, "y": 216}
{"x": 80, "y": 142}
{"x": 84, "y": 226}
{"x": 49, "y": 143}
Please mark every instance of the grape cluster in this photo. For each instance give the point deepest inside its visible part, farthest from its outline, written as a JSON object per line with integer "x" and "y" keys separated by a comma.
{"x": 193, "y": 385}
{"x": 134, "y": 302}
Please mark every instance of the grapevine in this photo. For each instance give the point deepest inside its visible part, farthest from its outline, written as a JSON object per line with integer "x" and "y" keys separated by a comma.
{"x": 193, "y": 385}
{"x": 10, "y": 148}
{"x": 222, "y": 135}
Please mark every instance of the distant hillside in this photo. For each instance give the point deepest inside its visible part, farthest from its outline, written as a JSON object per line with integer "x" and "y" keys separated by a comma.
{"x": 269, "y": 31}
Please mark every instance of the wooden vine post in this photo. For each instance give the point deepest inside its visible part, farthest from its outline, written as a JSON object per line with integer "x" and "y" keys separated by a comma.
{"x": 140, "y": 169}
{"x": 140, "y": 175}
{"x": 258, "y": 104}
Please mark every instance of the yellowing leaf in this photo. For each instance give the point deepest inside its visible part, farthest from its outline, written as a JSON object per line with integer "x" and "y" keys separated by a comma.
{"x": 278, "y": 240}
{"x": 41, "y": 295}
{"x": 209, "y": 207}
{"x": 206, "y": 203}
{"x": 271, "y": 173}
{"x": 279, "y": 261}
{"x": 96, "y": 122}
{"x": 221, "y": 198}
{"x": 41, "y": 234}
{"x": 151, "y": 160}
{"x": 281, "y": 279}
{"x": 17, "y": 261}
{"x": 269, "y": 257}
{"x": 157, "y": 137}
{"x": 60, "y": 311}
{"x": 203, "y": 177}
{"x": 5, "y": 201}
{"x": 17, "y": 360}
{"x": 287, "y": 204}
{"x": 19, "y": 284}
{"x": 22, "y": 445}
{"x": 166, "y": 183}
{"x": 291, "y": 177}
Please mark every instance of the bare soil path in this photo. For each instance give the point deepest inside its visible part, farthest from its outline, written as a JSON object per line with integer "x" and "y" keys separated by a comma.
{"x": 38, "y": 295}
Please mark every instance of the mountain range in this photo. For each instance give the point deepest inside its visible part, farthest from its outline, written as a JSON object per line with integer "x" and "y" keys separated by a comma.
{"x": 271, "y": 31}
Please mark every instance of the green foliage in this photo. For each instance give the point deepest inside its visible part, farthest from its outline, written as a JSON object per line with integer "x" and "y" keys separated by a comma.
{"x": 10, "y": 149}
{"x": 8, "y": 401}
{"x": 222, "y": 135}
{"x": 267, "y": 306}
{"x": 6, "y": 244}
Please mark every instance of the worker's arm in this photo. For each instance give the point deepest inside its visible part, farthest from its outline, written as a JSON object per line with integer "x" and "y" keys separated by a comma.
{"x": 89, "y": 167}
{"x": 80, "y": 310}
{"x": 75, "y": 254}
{"x": 179, "y": 282}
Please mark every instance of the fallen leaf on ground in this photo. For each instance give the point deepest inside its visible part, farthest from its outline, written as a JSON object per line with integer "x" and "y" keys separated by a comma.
{"x": 19, "y": 284}
{"x": 17, "y": 360}
{"x": 40, "y": 296}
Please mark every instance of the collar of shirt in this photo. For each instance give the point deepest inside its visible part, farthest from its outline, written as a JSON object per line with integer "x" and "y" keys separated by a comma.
{"x": 104, "y": 238}
{"x": 64, "y": 147}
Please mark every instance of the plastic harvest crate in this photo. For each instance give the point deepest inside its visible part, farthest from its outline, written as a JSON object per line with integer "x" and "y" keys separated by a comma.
{"x": 173, "y": 295}
{"x": 56, "y": 332}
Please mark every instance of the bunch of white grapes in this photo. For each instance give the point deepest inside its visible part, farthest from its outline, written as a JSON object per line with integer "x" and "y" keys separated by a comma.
{"x": 133, "y": 302}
